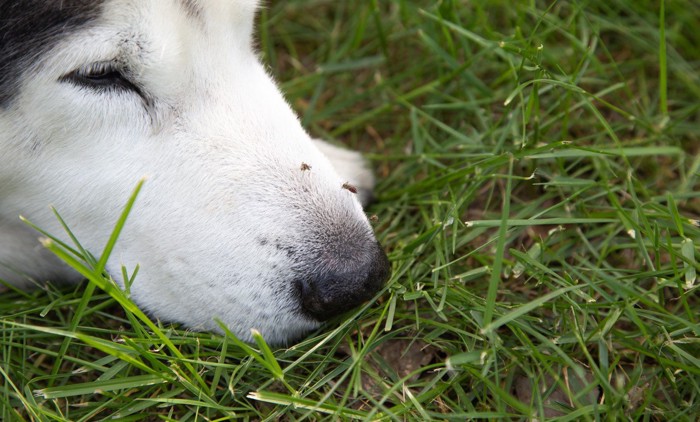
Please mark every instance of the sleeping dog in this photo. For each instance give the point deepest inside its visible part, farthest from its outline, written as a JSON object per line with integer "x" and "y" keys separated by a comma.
{"x": 244, "y": 217}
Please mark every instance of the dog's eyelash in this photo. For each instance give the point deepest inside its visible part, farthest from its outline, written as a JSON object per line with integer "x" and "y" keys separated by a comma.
{"x": 98, "y": 70}
{"x": 101, "y": 76}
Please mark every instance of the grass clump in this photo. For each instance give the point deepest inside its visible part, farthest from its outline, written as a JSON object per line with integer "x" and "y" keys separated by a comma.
{"x": 539, "y": 199}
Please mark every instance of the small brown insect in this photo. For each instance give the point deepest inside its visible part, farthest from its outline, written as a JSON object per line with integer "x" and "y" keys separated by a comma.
{"x": 349, "y": 187}
{"x": 373, "y": 218}
{"x": 305, "y": 167}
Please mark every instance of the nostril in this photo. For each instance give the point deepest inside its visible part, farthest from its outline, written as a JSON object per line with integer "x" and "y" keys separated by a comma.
{"x": 329, "y": 292}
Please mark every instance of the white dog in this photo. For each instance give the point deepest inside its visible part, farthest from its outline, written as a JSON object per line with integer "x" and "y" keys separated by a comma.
{"x": 243, "y": 218}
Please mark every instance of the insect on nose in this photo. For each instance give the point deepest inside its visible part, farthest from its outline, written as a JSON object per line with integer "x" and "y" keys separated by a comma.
{"x": 341, "y": 287}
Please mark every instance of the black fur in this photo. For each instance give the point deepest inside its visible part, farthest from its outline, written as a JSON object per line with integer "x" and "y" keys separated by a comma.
{"x": 29, "y": 28}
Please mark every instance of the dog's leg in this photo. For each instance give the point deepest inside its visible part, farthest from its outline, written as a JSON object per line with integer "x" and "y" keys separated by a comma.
{"x": 351, "y": 166}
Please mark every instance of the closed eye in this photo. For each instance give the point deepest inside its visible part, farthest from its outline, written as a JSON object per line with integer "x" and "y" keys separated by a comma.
{"x": 101, "y": 76}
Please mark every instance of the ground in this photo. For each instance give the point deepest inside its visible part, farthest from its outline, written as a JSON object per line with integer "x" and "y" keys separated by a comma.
{"x": 538, "y": 197}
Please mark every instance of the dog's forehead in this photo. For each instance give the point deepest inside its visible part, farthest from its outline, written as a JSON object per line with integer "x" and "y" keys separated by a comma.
{"x": 170, "y": 26}
{"x": 28, "y": 28}
{"x": 199, "y": 8}
{"x": 207, "y": 12}
{"x": 148, "y": 33}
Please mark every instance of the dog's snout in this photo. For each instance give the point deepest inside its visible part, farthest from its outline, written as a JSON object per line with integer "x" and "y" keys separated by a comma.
{"x": 332, "y": 290}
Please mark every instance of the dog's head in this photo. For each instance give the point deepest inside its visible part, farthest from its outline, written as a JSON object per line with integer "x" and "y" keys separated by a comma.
{"x": 242, "y": 217}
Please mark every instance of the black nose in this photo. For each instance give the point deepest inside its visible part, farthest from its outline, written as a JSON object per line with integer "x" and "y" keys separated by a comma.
{"x": 344, "y": 284}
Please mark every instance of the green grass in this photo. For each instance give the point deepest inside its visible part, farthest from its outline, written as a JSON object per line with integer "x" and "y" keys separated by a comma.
{"x": 538, "y": 196}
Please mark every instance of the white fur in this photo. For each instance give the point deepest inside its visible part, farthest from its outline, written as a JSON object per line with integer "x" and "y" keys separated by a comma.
{"x": 222, "y": 151}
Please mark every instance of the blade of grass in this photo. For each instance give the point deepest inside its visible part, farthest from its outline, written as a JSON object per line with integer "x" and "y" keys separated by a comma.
{"x": 495, "y": 278}
{"x": 99, "y": 387}
{"x": 663, "y": 85}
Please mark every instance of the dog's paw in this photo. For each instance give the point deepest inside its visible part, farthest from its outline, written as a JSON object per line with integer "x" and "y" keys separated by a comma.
{"x": 351, "y": 166}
